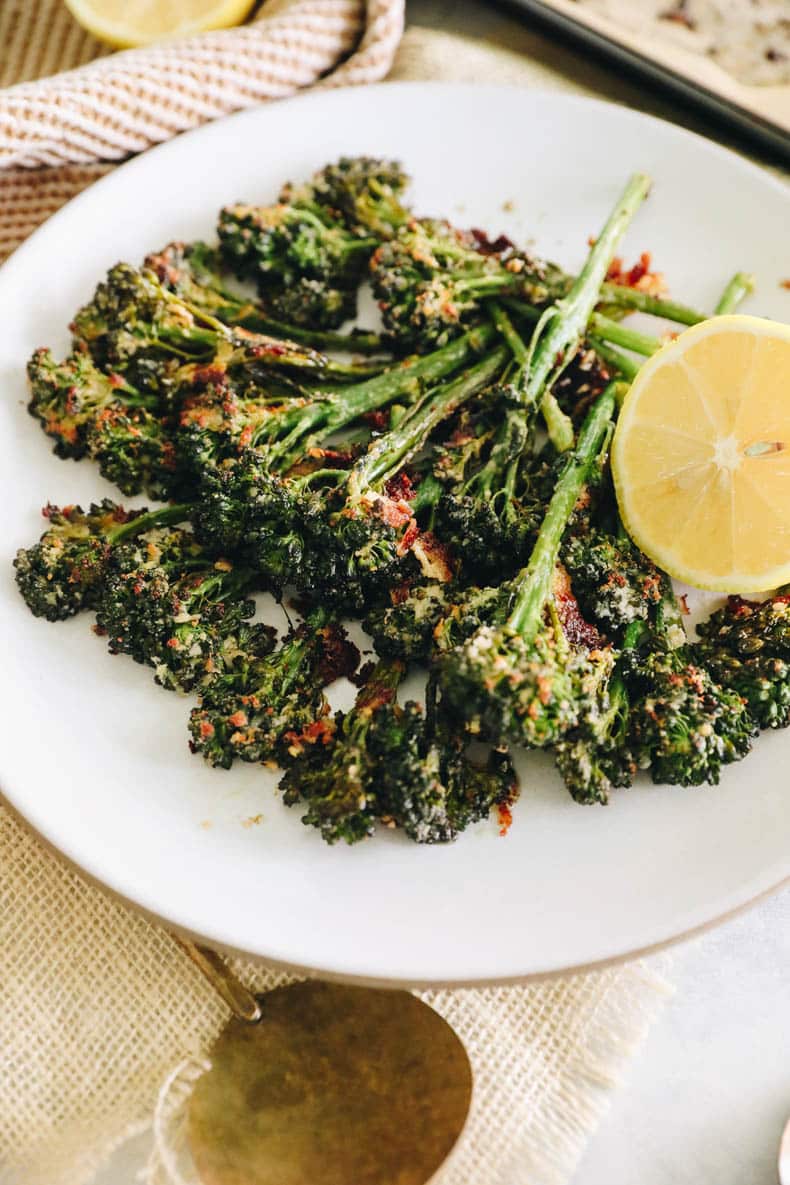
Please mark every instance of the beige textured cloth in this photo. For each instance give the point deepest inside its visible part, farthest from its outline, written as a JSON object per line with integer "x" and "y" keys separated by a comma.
{"x": 101, "y": 1015}
{"x": 121, "y": 104}
{"x": 97, "y": 1006}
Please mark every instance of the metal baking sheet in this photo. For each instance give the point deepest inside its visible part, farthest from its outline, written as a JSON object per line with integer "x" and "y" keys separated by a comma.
{"x": 761, "y": 113}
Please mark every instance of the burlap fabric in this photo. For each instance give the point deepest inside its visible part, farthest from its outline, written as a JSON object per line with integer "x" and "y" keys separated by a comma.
{"x": 102, "y": 1018}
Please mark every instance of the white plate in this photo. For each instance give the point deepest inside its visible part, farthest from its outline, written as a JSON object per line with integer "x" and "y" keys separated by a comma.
{"x": 94, "y": 754}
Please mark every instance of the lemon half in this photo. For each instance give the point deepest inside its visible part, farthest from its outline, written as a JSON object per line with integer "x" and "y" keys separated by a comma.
{"x": 126, "y": 23}
{"x": 701, "y": 455}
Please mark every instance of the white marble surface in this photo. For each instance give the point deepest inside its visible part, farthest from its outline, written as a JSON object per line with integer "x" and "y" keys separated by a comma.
{"x": 707, "y": 1096}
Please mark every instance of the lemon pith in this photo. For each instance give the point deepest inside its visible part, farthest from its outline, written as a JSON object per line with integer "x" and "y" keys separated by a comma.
{"x": 701, "y": 455}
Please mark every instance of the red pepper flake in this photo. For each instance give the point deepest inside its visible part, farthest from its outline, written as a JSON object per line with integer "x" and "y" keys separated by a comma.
{"x": 394, "y": 514}
{"x": 400, "y": 488}
{"x": 209, "y": 374}
{"x": 505, "y": 817}
{"x": 488, "y": 246}
{"x": 410, "y": 535}
{"x": 377, "y": 420}
{"x": 321, "y": 732}
{"x": 639, "y": 276}
{"x": 684, "y": 604}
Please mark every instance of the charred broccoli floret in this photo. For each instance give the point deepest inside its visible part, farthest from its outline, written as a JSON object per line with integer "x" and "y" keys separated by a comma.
{"x": 598, "y": 754}
{"x": 334, "y": 771}
{"x": 382, "y": 762}
{"x": 523, "y": 681}
{"x": 67, "y": 397}
{"x": 194, "y": 272}
{"x": 137, "y": 452}
{"x": 256, "y": 708}
{"x": 663, "y": 713}
{"x": 429, "y": 281}
{"x": 404, "y": 629}
{"x": 614, "y": 582}
{"x": 265, "y": 520}
{"x": 486, "y": 514}
{"x": 429, "y": 784}
{"x": 686, "y": 726}
{"x": 433, "y": 618}
{"x": 366, "y": 539}
{"x": 102, "y": 415}
{"x": 136, "y": 325}
{"x": 306, "y": 265}
{"x": 746, "y": 647}
{"x": 170, "y": 606}
{"x": 63, "y": 572}
{"x": 363, "y": 191}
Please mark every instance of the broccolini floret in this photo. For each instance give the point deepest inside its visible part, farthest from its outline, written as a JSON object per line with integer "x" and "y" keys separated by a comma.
{"x": 598, "y": 754}
{"x": 174, "y": 608}
{"x": 486, "y": 514}
{"x": 746, "y": 647}
{"x": 364, "y": 542}
{"x": 364, "y": 192}
{"x": 194, "y": 272}
{"x": 432, "y": 618}
{"x": 306, "y": 265}
{"x": 255, "y": 708}
{"x": 663, "y": 713}
{"x": 385, "y": 763}
{"x": 136, "y": 326}
{"x": 614, "y": 582}
{"x": 63, "y": 572}
{"x": 687, "y": 726}
{"x": 523, "y": 681}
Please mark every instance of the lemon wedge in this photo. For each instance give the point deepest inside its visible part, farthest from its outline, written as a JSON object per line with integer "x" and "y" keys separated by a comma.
{"x": 701, "y": 455}
{"x": 126, "y": 23}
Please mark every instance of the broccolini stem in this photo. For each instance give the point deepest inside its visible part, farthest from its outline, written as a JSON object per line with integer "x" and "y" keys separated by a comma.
{"x": 669, "y": 619}
{"x": 634, "y": 634}
{"x": 623, "y": 335}
{"x": 388, "y": 454}
{"x": 740, "y": 286}
{"x": 622, "y": 297}
{"x": 558, "y": 425}
{"x": 165, "y": 517}
{"x": 627, "y": 366}
{"x": 561, "y": 328}
{"x": 634, "y": 298}
{"x": 427, "y": 497}
{"x": 381, "y": 686}
{"x": 358, "y": 341}
{"x": 316, "y": 423}
{"x": 534, "y": 582}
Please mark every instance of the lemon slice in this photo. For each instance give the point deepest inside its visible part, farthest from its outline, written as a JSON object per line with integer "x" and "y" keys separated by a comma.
{"x": 701, "y": 455}
{"x": 125, "y": 23}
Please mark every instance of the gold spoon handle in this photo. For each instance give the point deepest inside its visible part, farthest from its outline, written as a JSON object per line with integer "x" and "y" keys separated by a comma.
{"x": 242, "y": 1003}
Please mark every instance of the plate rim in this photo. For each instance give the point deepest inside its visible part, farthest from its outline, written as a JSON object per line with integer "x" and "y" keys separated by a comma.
{"x": 32, "y": 821}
